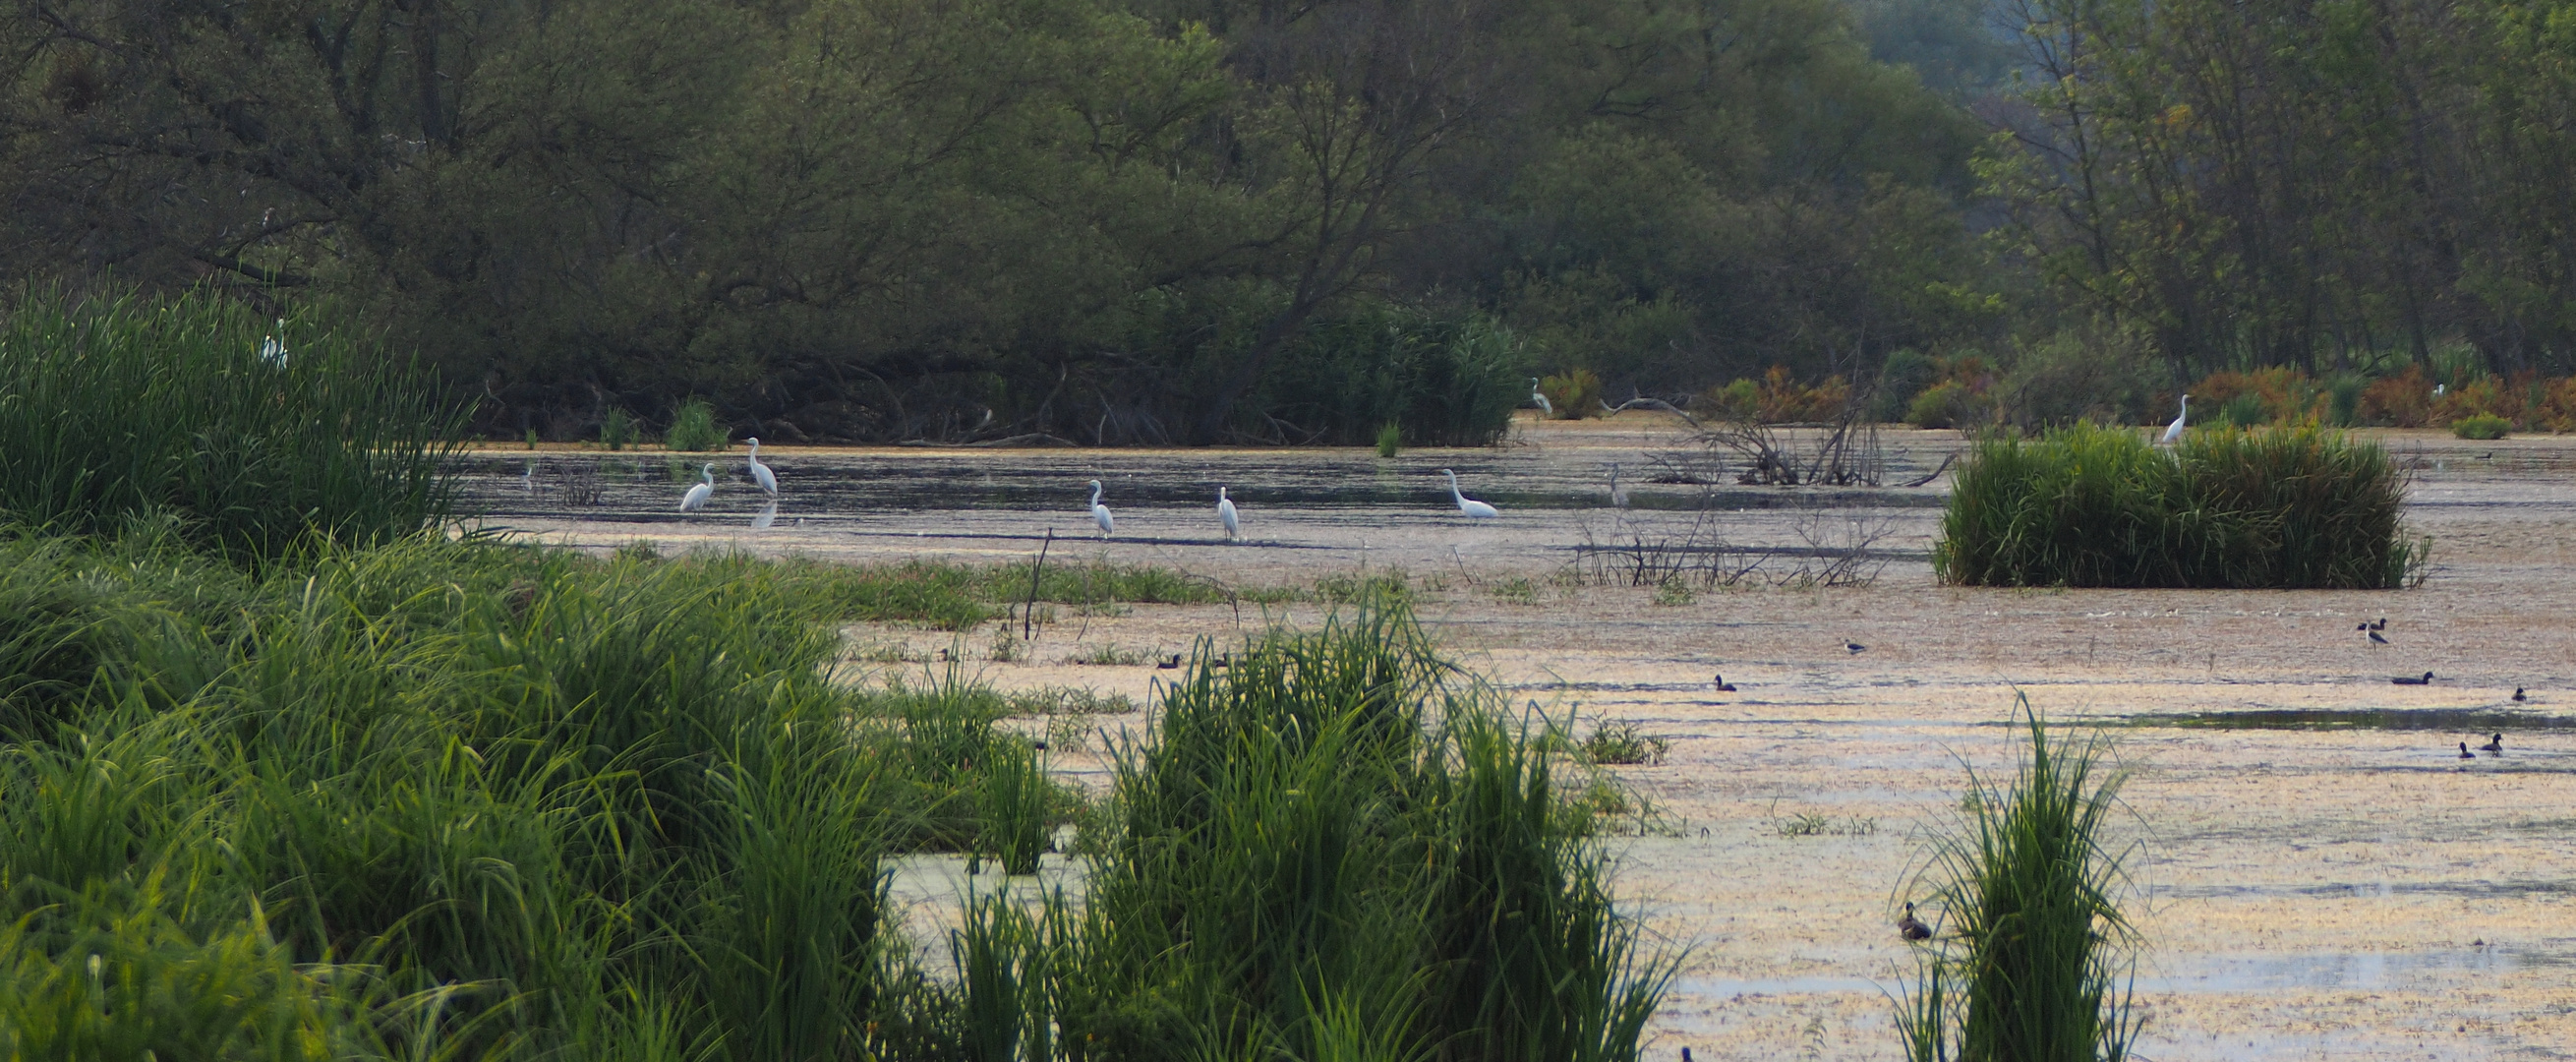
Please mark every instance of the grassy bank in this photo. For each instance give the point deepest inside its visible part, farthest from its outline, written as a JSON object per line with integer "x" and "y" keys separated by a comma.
{"x": 2087, "y": 506}
{"x": 253, "y": 437}
{"x": 463, "y": 800}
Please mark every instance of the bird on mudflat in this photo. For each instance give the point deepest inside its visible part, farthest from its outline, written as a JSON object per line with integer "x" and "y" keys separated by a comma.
{"x": 1722, "y": 685}
{"x": 2494, "y": 744}
{"x": 1910, "y": 928}
{"x": 2379, "y": 624}
{"x": 1855, "y": 648}
{"x": 1169, "y": 663}
{"x": 2518, "y": 698}
{"x": 1470, "y": 507}
{"x": 2375, "y": 639}
{"x": 2465, "y": 753}
{"x": 2410, "y": 680}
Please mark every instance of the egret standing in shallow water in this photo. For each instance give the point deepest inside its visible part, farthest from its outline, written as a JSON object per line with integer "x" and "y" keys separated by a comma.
{"x": 760, "y": 473}
{"x": 1100, "y": 513}
{"x": 1618, "y": 494}
{"x": 1474, "y": 509}
{"x": 1544, "y": 409}
{"x": 2173, "y": 431}
{"x": 698, "y": 495}
{"x": 1225, "y": 514}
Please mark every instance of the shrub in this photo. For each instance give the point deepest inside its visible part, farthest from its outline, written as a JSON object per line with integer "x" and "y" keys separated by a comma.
{"x": 616, "y": 428}
{"x": 1574, "y": 396}
{"x": 1907, "y": 373}
{"x": 1334, "y": 838}
{"x": 2032, "y": 964}
{"x": 1451, "y": 380}
{"x": 1944, "y": 405}
{"x": 2086, "y": 506}
{"x": 1390, "y": 436}
{"x": 2480, "y": 426}
{"x": 2244, "y": 411}
{"x": 113, "y": 409}
{"x": 2343, "y": 406}
{"x": 694, "y": 429}
{"x": 2402, "y": 401}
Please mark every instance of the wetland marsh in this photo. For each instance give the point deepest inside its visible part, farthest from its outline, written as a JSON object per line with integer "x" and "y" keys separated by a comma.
{"x": 2323, "y": 877}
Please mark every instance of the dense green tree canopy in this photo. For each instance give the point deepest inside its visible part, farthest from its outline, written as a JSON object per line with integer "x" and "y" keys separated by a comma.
{"x": 907, "y": 218}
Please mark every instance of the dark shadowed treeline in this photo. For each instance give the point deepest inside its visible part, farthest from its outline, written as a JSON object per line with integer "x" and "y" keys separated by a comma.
{"x": 1131, "y": 220}
{"x": 1214, "y": 220}
{"x": 2318, "y": 184}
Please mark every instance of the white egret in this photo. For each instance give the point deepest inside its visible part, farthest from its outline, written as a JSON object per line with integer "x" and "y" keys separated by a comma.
{"x": 760, "y": 473}
{"x": 1544, "y": 409}
{"x": 697, "y": 496}
{"x": 1474, "y": 509}
{"x": 1225, "y": 513}
{"x": 528, "y": 479}
{"x": 272, "y": 351}
{"x": 1618, "y": 494}
{"x": 768, "y": 515}
{"x": 1100, "y": 513}
{"x": 2440, "y": 389}
{"x": 2173, "y": 431}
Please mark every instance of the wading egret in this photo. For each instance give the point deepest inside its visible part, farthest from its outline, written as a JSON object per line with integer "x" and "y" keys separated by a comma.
{"x": 528, "y": 479}
{"x": 760, "y": 473}
{"x": 1544, "y": 409}
{"x": 698, "y": 495}
{"x": 1474, "y": 509}
{"x": 2173, "y": 431}
{"x": 1100, "y": 513}
{"x": 1225, "y": 513}
{"x": 1618, "y": 494}
{"x": 768, "y": 515}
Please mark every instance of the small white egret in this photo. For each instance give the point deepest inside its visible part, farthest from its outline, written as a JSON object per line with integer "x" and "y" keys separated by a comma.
{"x": 1544, "y": 409}
{"x": 1474, "y": 509}
{"x": 1618, "y": 494}
{"x": 768, "y": 515}
{"x": 1225, "y": 514}
{"x": 2173, "y": 431}
{"x": 528, "y": 479}
{"x": 1100, "y": 513}
{"x": 760, "y": 473}
{"x": 2440, "y": 389}
{"x": 697, "y": 497}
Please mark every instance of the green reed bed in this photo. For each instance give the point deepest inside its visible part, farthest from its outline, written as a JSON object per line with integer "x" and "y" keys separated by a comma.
{"x": 118, "y": 408}
{"x": 2032, "y": 954}
{"x": 1338, "y": 847}
{"x": 2088, "y": 506}
{"x": 472, "y": 801}
{"x": 446, "y": 800}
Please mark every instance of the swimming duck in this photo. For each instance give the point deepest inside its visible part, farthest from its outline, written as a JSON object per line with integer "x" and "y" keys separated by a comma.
{"x": 2494, "y": 744}
{"x": 1169, "y": 663}
{"x": 1911, "y": 929}
{"x": 1855, "y": 648}
{"x": 2405, "y": 680}
{"x": 2465, "y": 753}
{"x": 2517, "y": 695}
{"x": 1722, "y": 685}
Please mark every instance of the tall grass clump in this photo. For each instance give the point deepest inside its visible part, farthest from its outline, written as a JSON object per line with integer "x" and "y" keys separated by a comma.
{"x": 2088, "y": 506}
{"x": 119, "y": 407}
{"x": 2031, "y": 962}
{"x": 465, "y": 800}
{"x": 1336, "y": 846}
{"x": 693, "y": 429}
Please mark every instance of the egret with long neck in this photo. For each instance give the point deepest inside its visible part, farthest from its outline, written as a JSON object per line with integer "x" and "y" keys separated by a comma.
{"x": 697, "y": 497}
{"x": 760, "y": 473}
{"x": 1225, "y": 513}
{"x": 1474, "y": 509}
{"x": 1100, "y": 513}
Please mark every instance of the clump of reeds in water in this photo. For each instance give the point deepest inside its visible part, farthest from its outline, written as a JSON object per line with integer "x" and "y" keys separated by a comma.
{"x": 2030, "y": 960}
{"x": 256, "y": 437}
{"x": 2088, "y": 506}
{"x": 1337, "y": 847}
